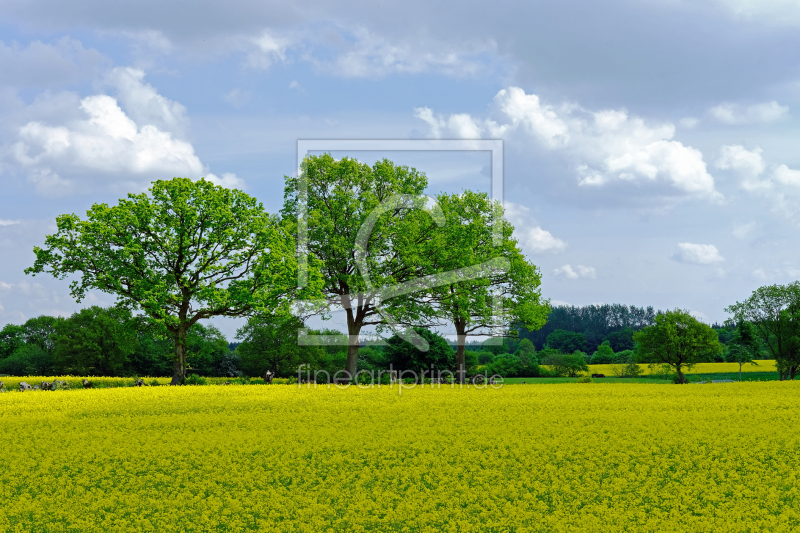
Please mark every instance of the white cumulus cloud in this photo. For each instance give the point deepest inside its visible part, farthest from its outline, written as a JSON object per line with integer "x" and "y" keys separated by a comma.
{"x": 605, "y": 146}
{"x": 101, "y": 141}
{"x": 779, "y": 184}
{"x": 532, "y": 238}
{"x": 267, "y": 49}
{"x": 700, "y": 254}
{"x": 736, "y": 114}
{"x": 580, "y": 271}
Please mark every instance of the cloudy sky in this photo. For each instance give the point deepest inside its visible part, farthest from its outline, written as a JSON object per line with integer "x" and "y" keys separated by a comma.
{"x": 650, "y": 146}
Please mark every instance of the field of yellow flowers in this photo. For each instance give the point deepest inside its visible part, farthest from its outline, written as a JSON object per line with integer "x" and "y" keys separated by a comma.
{"x": 570, "y": 457}
{"x": 699, "y": 368}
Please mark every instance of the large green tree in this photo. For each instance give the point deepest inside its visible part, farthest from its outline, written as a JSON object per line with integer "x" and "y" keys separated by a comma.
{"x": 477, "y": 277}
{"x": 677, "y": 339}
{"x": 361, "y": 221}
{"x": 774, "y": 312}
{"x": 187, "y": 251}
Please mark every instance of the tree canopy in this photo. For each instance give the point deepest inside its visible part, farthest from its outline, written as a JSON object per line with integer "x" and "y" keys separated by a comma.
{"x": 566, "y": 341}
{"x": 679, "y": 340}
{"x": 403, "y": 355}
{"x": 95, "y": 341}
{"x": 363, "y": 223}
{"x": 188, "y": 251}
{"x": 477, "y": 278}
{"x": 774, "y": 312}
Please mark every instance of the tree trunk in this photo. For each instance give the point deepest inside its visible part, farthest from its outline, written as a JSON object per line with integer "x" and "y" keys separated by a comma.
{"x": 353, "y": 330}
{"x": 681, "y": 377}
{"x": 179, "y": 373}
{"x": 461, "y": 365}
{"x": 740, "y": 371}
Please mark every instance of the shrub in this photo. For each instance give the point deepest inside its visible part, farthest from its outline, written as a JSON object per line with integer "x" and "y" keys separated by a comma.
{"x": 194, "y": 379}
{"x": 484, "y": 357}
{"x": 604, "y": 354}
{"x": 505, "y": 365}
{"x": 584, "y": 379}
{"x": 566, "y": 364}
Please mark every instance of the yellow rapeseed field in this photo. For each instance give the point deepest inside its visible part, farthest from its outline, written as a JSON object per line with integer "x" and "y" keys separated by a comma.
{"x": 700, "y": 368}
{"x": 567, "y": 457}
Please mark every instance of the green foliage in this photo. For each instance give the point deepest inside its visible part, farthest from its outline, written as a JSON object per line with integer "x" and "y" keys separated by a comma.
{"x": 206, "y": 348}
{"x": 625, "y": 365}
{"x": 584, "y": 379}
{"x": 525, "y": 347}
{"x": 341, "y": 199}
{"x": 743, "y": 346}
{"x": 566, "y": 341}
{"x": 95, "y": 342}
{"x": 468, "y": 248}
{"x": 677, "y": 339}
{"x": 528, "y": 360}
{"x": 325, "y": 351}
{"x": 596, "y": 322}
{"x": 470, "y": 362}
{"x": 402, "y": 355}
{"x": 153, "y": 353}
{"x": 546, "y": 353}
{"x": 194, "y": 379}
{"x": 28, "y": 360}
{"x": 506, "y": 365}
{"x": 270, "y": 342}
{"x": 624, "y": 357}
{"x": 604, "y": 354}
{"x": 774, "y": 312}
{"x": 565, "y": 364}
{"x": 12, "y": 337}
{"x": 185, "y": 252}
{"x": 371, "y": 358}
{"x": 620, "y": 340}
{"x": 484, "y": 357}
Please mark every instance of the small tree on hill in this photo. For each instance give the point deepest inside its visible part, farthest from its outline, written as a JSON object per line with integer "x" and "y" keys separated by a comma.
{"x": 604, "y": 354}
{"x": 679, "y": 340}
{"x": 743, "y": 347}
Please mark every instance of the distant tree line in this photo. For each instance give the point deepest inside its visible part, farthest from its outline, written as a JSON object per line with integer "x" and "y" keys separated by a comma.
{"x": 107, "y": 342}
{"x": 113, "y": 342}
{"x": 615, "y": 323}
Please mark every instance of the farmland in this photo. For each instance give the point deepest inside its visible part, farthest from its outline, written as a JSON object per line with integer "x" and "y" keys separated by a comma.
{"x": 591, "y": 457}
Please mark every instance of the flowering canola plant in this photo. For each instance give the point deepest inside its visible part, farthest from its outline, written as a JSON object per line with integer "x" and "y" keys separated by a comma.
{"x": 567, "y": 457}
